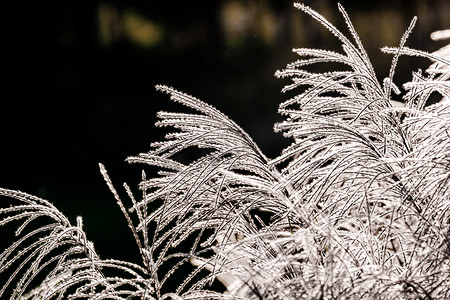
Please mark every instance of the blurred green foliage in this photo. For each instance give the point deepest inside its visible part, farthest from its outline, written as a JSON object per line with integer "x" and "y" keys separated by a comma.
{"x": 80, "y": 86}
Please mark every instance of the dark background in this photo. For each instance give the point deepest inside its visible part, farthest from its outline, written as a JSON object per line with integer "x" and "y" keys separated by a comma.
{"x": 79, "y": 79}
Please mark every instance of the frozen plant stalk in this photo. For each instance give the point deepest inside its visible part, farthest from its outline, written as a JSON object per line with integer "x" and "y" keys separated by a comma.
{"x": 357, "y": 207}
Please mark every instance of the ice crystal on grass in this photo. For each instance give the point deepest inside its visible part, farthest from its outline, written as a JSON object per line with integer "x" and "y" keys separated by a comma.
{"x": 357, "y": 207}
{"x": 60, "y": 256}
